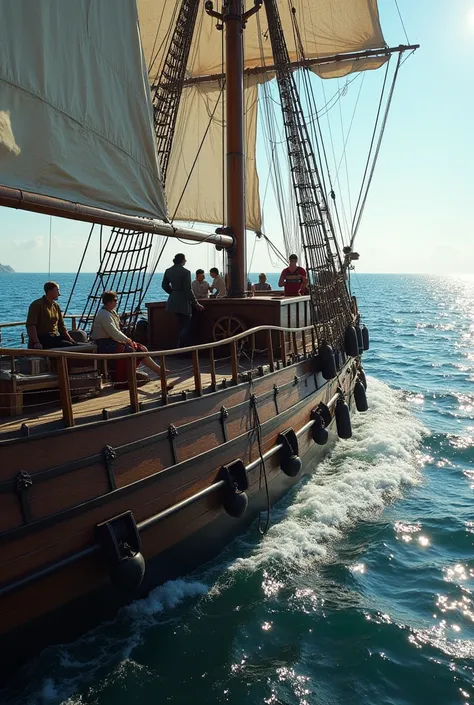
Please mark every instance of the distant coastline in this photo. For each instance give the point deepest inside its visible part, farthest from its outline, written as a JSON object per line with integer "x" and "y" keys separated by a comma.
{"x": 6, "y": 269}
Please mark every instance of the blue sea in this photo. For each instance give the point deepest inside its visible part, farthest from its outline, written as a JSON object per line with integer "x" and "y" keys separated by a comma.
{"x": 362, "y": 592}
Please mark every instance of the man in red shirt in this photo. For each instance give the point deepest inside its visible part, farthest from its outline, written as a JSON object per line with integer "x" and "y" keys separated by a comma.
{"x": 293, "y": 278}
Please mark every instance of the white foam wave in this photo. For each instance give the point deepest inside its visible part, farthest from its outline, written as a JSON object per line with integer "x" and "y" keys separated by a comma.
{"x": 167, "y": 596}
{"x": 353, "y": 483}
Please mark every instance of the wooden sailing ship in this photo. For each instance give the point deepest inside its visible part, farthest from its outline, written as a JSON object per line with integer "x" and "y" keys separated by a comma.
{"x": 103, "y": 493}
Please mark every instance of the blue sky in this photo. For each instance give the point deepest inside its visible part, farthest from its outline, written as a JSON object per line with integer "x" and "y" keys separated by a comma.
{"x": 418, "y": 216}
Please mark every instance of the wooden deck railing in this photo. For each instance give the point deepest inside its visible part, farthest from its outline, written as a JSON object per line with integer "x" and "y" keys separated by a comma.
{"x": 292, "y": 342}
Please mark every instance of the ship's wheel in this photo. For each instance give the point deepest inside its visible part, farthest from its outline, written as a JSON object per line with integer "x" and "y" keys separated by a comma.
{"x": 228, "y": 326}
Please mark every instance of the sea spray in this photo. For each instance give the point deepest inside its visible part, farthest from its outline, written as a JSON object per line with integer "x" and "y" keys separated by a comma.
{"x": 355, "y": 482}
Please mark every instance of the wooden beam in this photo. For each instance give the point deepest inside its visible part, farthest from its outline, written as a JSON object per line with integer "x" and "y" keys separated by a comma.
{"x": 48, "y": 205}
{"x": 309, "y": 63}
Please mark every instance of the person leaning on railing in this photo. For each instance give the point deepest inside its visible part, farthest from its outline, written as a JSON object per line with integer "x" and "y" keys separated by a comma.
{"x": 109, "y": 338}
{"x": 45, "y": 324}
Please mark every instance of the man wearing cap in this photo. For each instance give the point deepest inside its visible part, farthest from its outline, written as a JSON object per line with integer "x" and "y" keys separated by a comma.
{"x": 293, "y": 278}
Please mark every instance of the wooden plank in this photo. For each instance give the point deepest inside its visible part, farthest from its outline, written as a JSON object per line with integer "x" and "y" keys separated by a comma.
{"x": 65, "y": 391}
{"x": 36, "y": 453}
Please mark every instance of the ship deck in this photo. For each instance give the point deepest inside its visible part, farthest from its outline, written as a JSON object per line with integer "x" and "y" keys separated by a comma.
{"x": 42, "y": 409}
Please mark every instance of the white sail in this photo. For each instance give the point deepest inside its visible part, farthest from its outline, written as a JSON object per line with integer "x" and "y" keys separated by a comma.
{"x": 198, "y": 194}
{"x": 75, "y": 110}
{"x": 326, "y": 27}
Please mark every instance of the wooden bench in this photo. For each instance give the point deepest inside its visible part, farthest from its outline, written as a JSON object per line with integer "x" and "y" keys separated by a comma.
{"x": 13, "y": 385}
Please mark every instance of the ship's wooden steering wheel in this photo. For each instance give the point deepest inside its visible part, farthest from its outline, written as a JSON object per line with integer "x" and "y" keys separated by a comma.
{"x": 226, "y": 327}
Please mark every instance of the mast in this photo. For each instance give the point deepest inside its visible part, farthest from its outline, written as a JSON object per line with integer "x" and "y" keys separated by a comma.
{"x": 234, "y": 19}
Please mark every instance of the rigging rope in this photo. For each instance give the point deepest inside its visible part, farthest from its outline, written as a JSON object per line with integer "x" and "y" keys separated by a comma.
{"x": 377, "y": 150}
{"x": 80, "y": 266}
{"x": 401, "y": 20}
{"x": 371, "y": 145}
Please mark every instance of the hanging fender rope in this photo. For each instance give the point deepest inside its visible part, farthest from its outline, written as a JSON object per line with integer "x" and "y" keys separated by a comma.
{"x": 257, "y": 426}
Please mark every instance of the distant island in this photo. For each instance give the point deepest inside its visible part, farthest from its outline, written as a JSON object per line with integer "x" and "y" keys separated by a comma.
{"x": 6, "y": 269}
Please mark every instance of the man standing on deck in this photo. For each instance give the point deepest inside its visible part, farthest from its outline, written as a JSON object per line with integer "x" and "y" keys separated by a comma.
{"x": 293, "y": 278}
{"x": 45, "y": 324}
{"x": 177, "y": 283}
{"x": 218, "y": 283}
{"x": 200, "y": 286}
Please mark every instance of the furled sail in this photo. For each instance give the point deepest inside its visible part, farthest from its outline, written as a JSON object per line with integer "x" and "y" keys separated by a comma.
{"x": 76, "y": 119}
{"x": 195, "y": 183}
{"x": 326, "y": 28}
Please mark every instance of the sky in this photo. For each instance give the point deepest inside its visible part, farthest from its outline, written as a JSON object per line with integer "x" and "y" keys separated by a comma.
{"x": 418, "y": 217}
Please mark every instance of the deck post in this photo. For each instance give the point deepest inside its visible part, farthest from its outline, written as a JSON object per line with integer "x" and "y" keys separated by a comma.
{"x": 283, "y": 348}
{"x": 132, "y": 384}
{"x": 65, "y": 391}
{"x": 235, "y": 361}
{"x": 213, "y": 369}
{"x": 163, "y": 381}
{"x": 271, "y": 359}
{"x": 197, "y": 373}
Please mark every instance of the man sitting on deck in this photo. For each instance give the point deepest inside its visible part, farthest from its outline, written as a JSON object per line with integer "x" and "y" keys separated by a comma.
{"x": 293, "y": 278}
{"x": 45, "y": 324}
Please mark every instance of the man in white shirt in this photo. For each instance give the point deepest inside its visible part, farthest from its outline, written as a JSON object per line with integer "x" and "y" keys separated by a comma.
{"x": 218, "y": 283}
{"x": 200, "y": 286}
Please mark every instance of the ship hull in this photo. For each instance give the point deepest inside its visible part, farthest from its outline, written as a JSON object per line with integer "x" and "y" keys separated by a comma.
{"x": 39, "y": 608}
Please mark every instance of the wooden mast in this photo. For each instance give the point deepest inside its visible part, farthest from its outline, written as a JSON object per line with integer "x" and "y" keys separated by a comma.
{"x": 235, "y": 164}
{"x": 234, "y": 18}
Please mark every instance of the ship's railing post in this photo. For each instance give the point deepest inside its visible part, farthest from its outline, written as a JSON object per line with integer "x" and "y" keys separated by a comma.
{"x": 271, "y": 359}
{"x": 213, "y": 369}
{"x": 235, "y": 361}
{"x": 73, "y": 322}
{"x": 132, "y": 383}
{"x": 65, "y": 390}
{"x": 283, "y": 347}
{"x": 163, "y": 380}
{"x": 197, "y": 373}
{"x": 295, "y": 346}
{"x": 303, "y": 342}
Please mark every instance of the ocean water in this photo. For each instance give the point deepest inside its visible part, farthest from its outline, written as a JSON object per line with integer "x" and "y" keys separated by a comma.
{"x": 362, "y": 592}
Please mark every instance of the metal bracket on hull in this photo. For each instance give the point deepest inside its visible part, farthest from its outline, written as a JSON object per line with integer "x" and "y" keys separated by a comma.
{"x": 290, "y": 462}
{"x": 120, "y": 541}
{"x": 224, "y": 417}
{"x": 172, "y": 433}
{"x": 110, "y": 455}
{"x": 23, "y": 482}
{"x": 276, "y": 392}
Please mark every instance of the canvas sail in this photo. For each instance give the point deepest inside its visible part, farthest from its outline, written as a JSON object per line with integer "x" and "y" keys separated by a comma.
{"x": 198, "y": 194}
{"x": 75, "y": 109}
{"x": 327, "y": 27}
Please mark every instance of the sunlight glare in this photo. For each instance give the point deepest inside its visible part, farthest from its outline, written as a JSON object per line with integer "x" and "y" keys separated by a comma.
{"x": 470, "y": 18}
